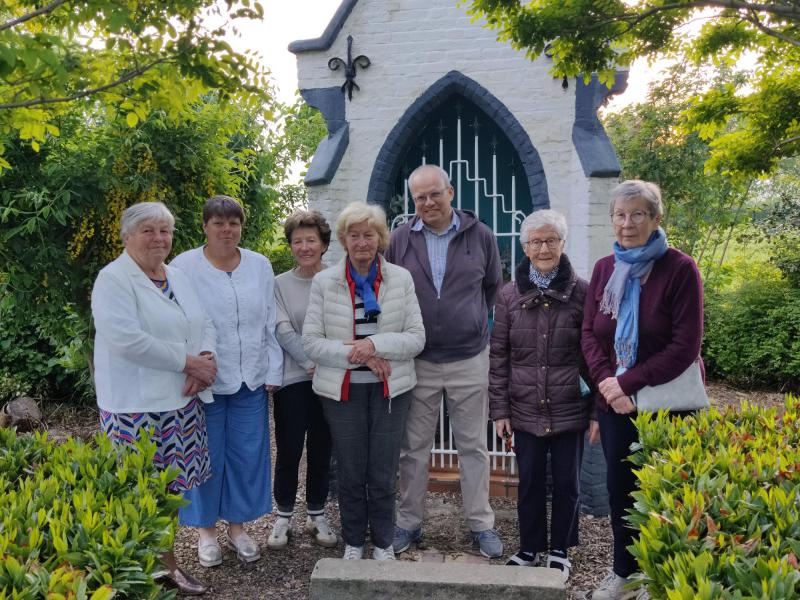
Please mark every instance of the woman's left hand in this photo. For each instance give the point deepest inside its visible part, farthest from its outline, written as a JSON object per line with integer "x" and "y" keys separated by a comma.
{"x": 361, "y": 352}
{"x": 623, "y": 405}
{"x": 380, "y": 367}
{"x": 610, "y": 389}
{"x": 193, "y": 386}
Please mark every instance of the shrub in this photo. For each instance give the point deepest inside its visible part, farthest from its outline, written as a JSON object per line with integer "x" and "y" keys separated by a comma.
{"x": 752, "y": 332}
{"x": 718, "y": 509}
{"x": 81, "y": 521}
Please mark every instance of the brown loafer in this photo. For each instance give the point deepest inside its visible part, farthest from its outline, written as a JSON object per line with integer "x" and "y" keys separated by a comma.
{"x": 183, "y": 581}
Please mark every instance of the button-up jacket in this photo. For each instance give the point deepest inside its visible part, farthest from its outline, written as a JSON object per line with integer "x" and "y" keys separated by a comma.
{"x": 242, "y": 306}
{"x": 535, "y": 354}
{"x": 143, "y": 338}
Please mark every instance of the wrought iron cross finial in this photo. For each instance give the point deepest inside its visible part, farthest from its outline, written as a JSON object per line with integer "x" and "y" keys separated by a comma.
{"x": 349, "y": 68}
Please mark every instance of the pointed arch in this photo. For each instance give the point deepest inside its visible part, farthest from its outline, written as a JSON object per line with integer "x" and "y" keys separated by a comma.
{"x": 390, "y": 156}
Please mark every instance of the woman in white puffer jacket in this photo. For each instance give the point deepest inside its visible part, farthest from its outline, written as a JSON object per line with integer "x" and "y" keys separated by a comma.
{"x": 363, "y": 329}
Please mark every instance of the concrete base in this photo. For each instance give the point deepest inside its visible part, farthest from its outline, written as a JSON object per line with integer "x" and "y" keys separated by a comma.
{"x": 337, "y": 579}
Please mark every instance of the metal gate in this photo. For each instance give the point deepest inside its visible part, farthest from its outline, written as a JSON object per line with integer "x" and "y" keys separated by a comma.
{"x": 483, "y": 167}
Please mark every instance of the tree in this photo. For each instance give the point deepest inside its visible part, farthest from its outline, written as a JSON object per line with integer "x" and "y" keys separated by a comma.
{"x": 131, "y": 57}
{"x": 750, "y": 123}
{"x": 701, "y": 209}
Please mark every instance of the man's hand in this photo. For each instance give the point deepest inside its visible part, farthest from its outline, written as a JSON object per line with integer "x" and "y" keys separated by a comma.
{"x": 594, "y": 432}
{"x": 362, "y": 350}
{"x": 503, "y": 425}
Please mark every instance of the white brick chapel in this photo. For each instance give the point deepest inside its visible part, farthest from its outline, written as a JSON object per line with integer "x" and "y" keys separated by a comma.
{"x": 441, "y": 89}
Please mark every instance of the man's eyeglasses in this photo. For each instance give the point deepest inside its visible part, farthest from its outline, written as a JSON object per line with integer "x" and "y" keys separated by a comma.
{"x": 636, "y": 217}
{"x": 551, "y": 243}
{"x": 435, "y": 196}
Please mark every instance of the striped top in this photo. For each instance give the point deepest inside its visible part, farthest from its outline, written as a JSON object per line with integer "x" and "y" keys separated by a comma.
{"x": 166, "y": 288}
{"x": 365, "y": 327}
{"x": 437, "y": 244}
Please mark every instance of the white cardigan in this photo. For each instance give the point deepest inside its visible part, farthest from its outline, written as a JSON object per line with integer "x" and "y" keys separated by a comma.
{"x": 242, "y": 307}
{"x": 330, "y": 321}
{"x": 143, "y": 338}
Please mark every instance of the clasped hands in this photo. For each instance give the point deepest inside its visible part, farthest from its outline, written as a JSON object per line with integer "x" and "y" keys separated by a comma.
{"x": 201, "y": 371}
{"x": 618, "y": 400}
{"x": 363, "y": 353}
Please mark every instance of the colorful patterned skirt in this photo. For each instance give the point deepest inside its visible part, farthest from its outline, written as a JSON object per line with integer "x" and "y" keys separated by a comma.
{"x": 179, "y": 436}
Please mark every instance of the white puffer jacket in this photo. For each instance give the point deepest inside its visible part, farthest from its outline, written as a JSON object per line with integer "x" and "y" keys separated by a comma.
{"x": 330, "y": 321}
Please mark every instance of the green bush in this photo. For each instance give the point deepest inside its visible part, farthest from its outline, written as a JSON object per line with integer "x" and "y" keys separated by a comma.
{"x": 81, "y": 521}
{"x": 718, "y": 509}
{"x": 752, "y": 332}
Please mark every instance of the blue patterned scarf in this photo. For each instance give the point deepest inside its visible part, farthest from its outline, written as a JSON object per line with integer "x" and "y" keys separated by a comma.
{"x": 622, "y": 292}
{"x": 365, "y": 290}
{"x": 541, "y": 280}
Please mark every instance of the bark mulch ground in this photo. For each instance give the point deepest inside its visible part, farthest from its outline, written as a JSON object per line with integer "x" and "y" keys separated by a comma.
{"x": 285, "y": 574}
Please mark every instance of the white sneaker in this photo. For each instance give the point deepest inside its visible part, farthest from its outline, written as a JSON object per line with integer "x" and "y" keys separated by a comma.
{"x": 614, "y": 587}
{"x": 279, "y": 538}
{"x": 319, "y": 528}
{"x": 383, "y": 553}
{"x": 353, "y": 552}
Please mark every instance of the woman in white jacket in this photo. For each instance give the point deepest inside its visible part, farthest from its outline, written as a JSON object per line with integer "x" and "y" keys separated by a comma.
{"x": 153, "y": 355}
{"x": 362, "y": 330}
{"x": 237, "y": 290}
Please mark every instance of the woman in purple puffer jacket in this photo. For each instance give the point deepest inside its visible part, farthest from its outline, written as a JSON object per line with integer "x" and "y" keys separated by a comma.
{"x": 535, "y": 391}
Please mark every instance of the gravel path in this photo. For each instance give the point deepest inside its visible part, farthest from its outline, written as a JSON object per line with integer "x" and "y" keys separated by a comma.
{"x": 285, "y": 574}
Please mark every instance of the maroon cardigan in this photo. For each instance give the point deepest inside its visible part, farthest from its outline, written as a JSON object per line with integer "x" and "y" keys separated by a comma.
{"x": 670, "y": 324}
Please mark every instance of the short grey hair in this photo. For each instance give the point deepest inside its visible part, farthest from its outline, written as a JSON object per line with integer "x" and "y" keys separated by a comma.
{"x": 138, "y": 213}
{"x": 542, "y": 218}
{"x": 360, "y": 212}
{"x": 636, "y": 189}
{"x": 436, "y": 168}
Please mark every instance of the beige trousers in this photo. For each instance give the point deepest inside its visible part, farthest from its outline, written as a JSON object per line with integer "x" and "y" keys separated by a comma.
{"x": 466, "y": 383}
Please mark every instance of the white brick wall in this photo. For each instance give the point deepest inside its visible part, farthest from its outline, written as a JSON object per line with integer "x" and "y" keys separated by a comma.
{"x": 412, "y": 44}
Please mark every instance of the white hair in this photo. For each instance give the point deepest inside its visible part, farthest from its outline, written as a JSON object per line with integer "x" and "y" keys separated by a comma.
{"x": 636, "y": 189}
{"x": 429, "y": 167}
{"x": 543, "y": 218}
{"x": 136, "y": 214}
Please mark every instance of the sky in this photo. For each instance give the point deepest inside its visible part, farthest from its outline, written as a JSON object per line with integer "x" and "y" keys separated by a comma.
{"x": 289, "y": 20}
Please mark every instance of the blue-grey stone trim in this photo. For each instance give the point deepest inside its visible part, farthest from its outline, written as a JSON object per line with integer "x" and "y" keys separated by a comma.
{"x": 327, "y": 157}
{"x": 327, "y": 38}
{"x": 330, "y": 102}
{"x": 388, "y": 163}
{"x": 595, "y": 151}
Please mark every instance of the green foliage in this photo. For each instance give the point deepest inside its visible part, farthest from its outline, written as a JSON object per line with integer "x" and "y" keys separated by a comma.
{"x": 700, "y": 208}
{"x": 133, "y": 58}
{"x": 60, "y": 211}
{"x": 718, "y": 509}
{"x": 751, "y": 123}
{"x": 752, "y": 329}
{"x": 82, "y": 521}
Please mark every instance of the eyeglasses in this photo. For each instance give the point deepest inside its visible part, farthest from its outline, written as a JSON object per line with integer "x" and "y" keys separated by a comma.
{"x": 636, "y": 217}
{"x": 434, "y": 196}
{"x": 551, "y": 243}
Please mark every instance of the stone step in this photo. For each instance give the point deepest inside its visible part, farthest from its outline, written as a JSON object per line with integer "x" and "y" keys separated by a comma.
{"x": 337, "y": 579}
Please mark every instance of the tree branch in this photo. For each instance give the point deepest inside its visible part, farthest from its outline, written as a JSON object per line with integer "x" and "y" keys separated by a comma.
{"x": 753, "y": 18}
{"x": 788, "y": 141}
{"x": 32, "y": 15}
{"x": 124, "y": 79}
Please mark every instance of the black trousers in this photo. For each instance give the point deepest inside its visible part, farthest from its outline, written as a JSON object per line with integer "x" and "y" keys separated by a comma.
{"x": 566, "y": 451}
{"x": 618, "y": 432}
{"x": 299, "y": 421}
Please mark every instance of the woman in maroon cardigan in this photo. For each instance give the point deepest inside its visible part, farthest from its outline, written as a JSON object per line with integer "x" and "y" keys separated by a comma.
{"x": 535, "y": 391}
{"x": 642, "y": 325}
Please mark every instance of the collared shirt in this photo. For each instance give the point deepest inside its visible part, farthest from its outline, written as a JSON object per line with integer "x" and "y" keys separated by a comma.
{"x": 437, "y": 244}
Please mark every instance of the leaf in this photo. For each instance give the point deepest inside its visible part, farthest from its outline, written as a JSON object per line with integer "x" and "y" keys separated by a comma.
{"x": 132, "y": 119}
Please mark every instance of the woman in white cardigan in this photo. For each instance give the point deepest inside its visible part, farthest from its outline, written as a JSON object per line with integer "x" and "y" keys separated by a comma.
{"x": 237, "y": 290}
{"x": 153, "y": 356}
{"x": 362, "y": 330}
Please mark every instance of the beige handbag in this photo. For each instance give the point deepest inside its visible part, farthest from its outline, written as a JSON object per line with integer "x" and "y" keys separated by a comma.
{"x": 685, "y": 392}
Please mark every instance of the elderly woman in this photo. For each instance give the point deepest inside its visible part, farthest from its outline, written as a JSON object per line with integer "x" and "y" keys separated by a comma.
{"x": 642, "y": 326}
{"x": 299, "y": 420}
{"x": 534, "y": 388}
{"x": 362, "y": 331}
{"x": 153, "y": 356}
{"x": 237, "y": 290}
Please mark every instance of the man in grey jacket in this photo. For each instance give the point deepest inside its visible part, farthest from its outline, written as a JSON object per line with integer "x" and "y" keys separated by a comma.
{"x": 455, "y": 263}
